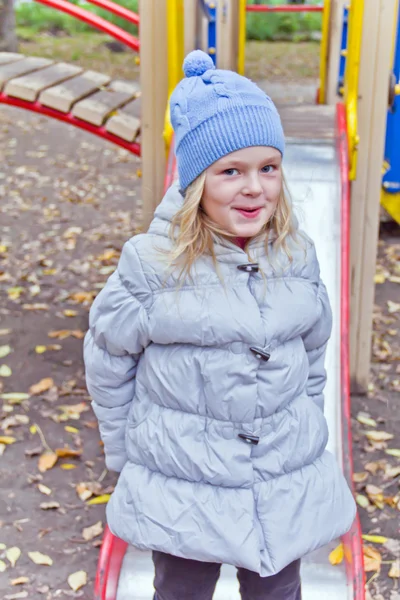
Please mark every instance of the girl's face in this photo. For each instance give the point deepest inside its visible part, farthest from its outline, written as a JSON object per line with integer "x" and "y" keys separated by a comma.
{"x": 242, "y": 190}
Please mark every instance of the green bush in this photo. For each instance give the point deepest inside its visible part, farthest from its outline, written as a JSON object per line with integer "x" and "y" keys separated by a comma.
{"x": 261, "y": 27}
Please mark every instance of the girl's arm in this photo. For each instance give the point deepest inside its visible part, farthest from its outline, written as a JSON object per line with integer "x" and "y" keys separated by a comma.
{"x": 315, "y": 342}
{"x": 118, "y": 334}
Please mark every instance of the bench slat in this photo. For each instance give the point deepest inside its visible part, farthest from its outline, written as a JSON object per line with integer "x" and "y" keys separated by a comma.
{"x": 126, "y": 122}
{"x": 21, "y": 67}
{"x": 9, "y": 57}
{"x": 63, "y": 96}
{"x": 28, "y": 87}
{"x": 96, "y": 108}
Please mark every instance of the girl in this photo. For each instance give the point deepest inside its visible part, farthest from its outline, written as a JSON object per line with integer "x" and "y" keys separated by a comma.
{"x": 205, "y": 361}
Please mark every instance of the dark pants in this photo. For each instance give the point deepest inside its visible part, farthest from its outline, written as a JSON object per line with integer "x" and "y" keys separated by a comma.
{"x": 182, "y": 579}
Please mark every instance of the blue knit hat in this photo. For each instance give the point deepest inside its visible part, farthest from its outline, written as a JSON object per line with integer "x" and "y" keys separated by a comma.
{"x": 215, "y": 112}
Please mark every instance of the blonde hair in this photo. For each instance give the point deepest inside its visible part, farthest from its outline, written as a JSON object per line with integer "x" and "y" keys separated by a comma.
{"x": 193, "y": 232}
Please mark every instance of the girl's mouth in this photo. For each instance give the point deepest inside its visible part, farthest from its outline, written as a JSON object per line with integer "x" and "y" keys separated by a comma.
{"x": 249, "y": 213}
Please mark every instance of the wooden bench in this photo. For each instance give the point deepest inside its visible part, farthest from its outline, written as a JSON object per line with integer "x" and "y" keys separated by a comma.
{"x": 87, "y": 99}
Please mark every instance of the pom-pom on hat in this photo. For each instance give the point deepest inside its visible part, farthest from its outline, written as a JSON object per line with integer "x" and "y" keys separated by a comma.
{"x": 215, "y": 112}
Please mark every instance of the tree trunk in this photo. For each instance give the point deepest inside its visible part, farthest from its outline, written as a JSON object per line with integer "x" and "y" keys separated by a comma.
{"x": 8, "y": 38}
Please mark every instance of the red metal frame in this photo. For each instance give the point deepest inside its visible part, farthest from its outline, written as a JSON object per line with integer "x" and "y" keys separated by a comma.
{"x": 352, "y": 541}
{"x": 71, "y": 120}
{"x": 111, "y": 555}
{"x": 95, "y": 21}
{"x": 118, "y": 10}
{"x": 284, "y": 8}
{"x": 170, "y": 172}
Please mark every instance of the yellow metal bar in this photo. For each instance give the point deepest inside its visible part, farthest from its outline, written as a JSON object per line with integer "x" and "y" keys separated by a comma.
{"x": 242, "y": 37}
{"x": 356, "y": 12}
{"x": 323, "y": 59}
{"x": 175, "y": 28}
{"x": 391, "y": 203}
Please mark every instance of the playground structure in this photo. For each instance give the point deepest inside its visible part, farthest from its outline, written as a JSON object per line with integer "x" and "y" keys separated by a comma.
{"x": 333, "y": 159}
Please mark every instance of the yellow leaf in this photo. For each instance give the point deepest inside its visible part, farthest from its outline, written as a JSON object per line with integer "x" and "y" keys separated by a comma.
{"x": 47, "y": 461}
{"x": 393, "y": 306}
{"x": 93, "y": 531}
{"x": 376, "y": 539}
{"x": 372, "y": 559}
{"x": 362, "y": 501}
{"x": 5, "y": 371}
{"x": 360, "y": 477}
{"x": 395, "y": 569}
{"x": 393, "y": 452}
{"x": 77, "y": 580}
{"x": 42, "y": 386}
{"x": 7, "y": 439}
{"x": 14, "y": 292}
{"x": 3, "y": 566}
{"x": 19, "y": 580}
{"x": 99, "y": 499}
{"x": 70, "y": 429}
{"x": 375, "y": 494}
{"x": 70, "y": 313}
{"x": 40, "y": 559}
{"x": 379, "y": 436}
{"x": 67, "y": 467}
{"x": 14, "y": 397}
{"x": 3, "y": 248}
{"x": 33, "y": 429}
{"x": 68, "y": 453}
{"x": 44, "y": 489}
{"x": 336, "y": 556}
{"x": 364, "y": 420}
{"x": 40, "y": 349}
{"x": 4, "y": 351}
{"x": 379, "y": 278}
{"x": 13, "y": 554}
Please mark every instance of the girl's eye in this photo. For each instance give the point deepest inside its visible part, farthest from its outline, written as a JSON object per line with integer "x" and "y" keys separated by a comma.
{"x": 230, "y": 172}
{"x": 268, "y": 169}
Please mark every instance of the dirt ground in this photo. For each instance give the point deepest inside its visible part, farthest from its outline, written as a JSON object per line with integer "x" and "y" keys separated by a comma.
{"x": 68, "y": 201}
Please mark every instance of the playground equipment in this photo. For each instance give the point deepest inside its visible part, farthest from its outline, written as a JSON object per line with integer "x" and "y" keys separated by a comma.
{"x": 333, "y": 154}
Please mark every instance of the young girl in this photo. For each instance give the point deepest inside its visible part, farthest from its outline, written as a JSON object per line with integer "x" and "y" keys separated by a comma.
{"x": 205, "y": 361}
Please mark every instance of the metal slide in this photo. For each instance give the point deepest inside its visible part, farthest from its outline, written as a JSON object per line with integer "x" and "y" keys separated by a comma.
{"x": 316, "y": 171}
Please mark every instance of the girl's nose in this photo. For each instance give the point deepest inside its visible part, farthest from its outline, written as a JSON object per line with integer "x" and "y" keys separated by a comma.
{"x": 252, "y": 186}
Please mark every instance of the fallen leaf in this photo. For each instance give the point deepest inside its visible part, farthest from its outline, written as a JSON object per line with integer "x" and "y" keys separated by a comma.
{"x": 362, "y": 501}
{"x": 42, "y": 386}
{"x": 70, "y": 313}
{"x": 4, "y": 351}
{"x": 62, "y": 334}
{"x": 393, "y": 452}
{"x": 67, "y": 467}
{"x": 37, "y": 306}
{"x": 40, "y": 349}
{"x": 372, "y": 559}
{"x": 393, "y": 306}
{"x": 5, "y": 331}
{"x": 33, "y": 429}
{"x": 13, "y": 554}
{"x": 336, "y": 556}
{"x": 2, "y": 449}
{"x": 14, "y": 421}
{"x": 15, "y": 292}
{"x": 5, "y": 371}
{"x": 44, "y": 489}
{"x": 14, "y": 397}
{"x": 374, "y": 467}
{"x": 47, "y": 461}
{"x": 40, "y": 559}
{"x": 70, "y": 429}
{"x": 93, "y": 531}
{"x": 49, "y": 505}
{"x": 99, "y": 499}
{"x": 364, "y": 420}
{"x": 68, "y": 453}
{"x": 86, "y": 489}
{"x": 375, "y": 494}
{"x": 395, "y": 569}
{"x": 7, "y": 440}
{"x": 19, "y": 580}
{"x": 376, "y": 539}
{"x": 77, "y": 580}
{"x": 360, "y": 477}
{"x": 73, "y": 411}
{"x": 379, "y": 278}
{"x": 3, "y": 566}
{"x": 379, "y": 436}
{"x": 17, "y": 596}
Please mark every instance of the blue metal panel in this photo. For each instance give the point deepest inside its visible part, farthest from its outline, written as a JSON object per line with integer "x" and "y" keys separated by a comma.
{"x": 212, "y": 32}
{"x": 391, "y": 179}
{"x": 343, "y": 51}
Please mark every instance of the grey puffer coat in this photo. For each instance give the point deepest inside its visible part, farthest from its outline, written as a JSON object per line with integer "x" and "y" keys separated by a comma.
{"x": 210, "y": 403}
